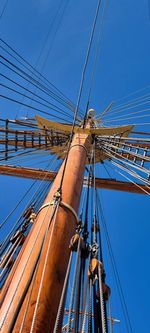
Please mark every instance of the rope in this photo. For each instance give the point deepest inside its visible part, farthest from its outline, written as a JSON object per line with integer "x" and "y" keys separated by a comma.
{"x": 128, "y": 114}
{"x": 96, "y": 56}
{"x": 28, "y": 154}
{"x": 77, "y": 265}
{"x": 77, "y": 107}
{"x": 87, "y": 58}
{"x": 29, "y": 202}
{"x": 94, "y": 196}
{"x": 133, "y": 92}
{"x": 96, "y": 316}
{"x": 80, "y": 91}
{"x": 116, "y": 274}
{"x": 128, "y": 118}
{"x": 54, "y": 214}
{"x": 110, "y": 317}
{"x": 53, "y": 106}
{"x": 12, "y": 252}
{"x": 85, "y": 232}
{"x": 122, "y": 142}
{"x": 88, "y": 186}
{"x": 133, "y": 173}
{"x": 31, "y": 107}
{"x": 128, "y": 106}
{"x": 129, "y": 152}
{"x": 29, "y": 296}
{"x": 99, "y": 231}
{"x": 83, "y": 320}
{"x": 138, "y": 185}
{"x": 131, "y": 102}
{"x": 37, "y": 150}
{"x": 101, "y": 300}
{"x": 130, "y": 180}
{"x": 30, "y": 80}
{"x": 114, "y": 266}
{"x": 34, "y": 70}
{"x": 58, "y": 322}
{"x": 60, "y": 20}
{"x": 90, "y": 308}
{"x": 6, "y": 312}
{"x": 78, "y": 299}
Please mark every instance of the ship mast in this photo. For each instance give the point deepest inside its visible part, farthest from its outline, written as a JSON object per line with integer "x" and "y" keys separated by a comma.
{"x": 31, "y": 294}
{"x": 49, "y": 239}
{"x": 34, "y": 293}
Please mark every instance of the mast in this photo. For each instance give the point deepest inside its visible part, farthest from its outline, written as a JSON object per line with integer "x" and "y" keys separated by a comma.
{"x": 37, "y": 283}
{"x": 32, "y": 292}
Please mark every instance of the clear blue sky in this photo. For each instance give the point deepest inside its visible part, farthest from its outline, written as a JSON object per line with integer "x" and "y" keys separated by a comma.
{"x": 123, "y": 67}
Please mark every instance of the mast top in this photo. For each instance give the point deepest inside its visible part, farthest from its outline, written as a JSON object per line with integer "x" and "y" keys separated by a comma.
{"x": 91, "y": 113}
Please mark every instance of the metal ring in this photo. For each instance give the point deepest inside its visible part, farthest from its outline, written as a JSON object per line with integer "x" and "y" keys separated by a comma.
{"x": 45, "y": 205}
{"x": 62, "y": 204}
{"x": 65, "y": 205}
{"x": 79, "y": 144}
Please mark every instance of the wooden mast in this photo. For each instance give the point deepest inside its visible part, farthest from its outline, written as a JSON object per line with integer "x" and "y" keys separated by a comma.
{"x": 33, "y": 288}
{"x": 28, "y": 283}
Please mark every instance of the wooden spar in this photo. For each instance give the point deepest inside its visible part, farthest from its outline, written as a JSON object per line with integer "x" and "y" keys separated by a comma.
{"x": 117, "y": 185}
{"x": 17, "y": 295}
{"x": 18, "y": 171}
{"x": 46, "y": 175}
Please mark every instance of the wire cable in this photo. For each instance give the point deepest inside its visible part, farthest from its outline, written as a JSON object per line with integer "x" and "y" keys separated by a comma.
{"x": 40, "y": 76}
{"x": 87, "y": 58}
{"x": 58, "y": 110}
{"x": 4, "y": 8}
{"x": 31, "y": 92}
{"x": 31, "y": 107}
{"x": 31, "y": 80}
{"x": 115, "y": 270}
{"x": 96, "y": 55}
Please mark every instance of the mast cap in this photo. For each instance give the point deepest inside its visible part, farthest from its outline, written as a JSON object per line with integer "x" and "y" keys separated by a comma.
{"x": 91, "y": 113}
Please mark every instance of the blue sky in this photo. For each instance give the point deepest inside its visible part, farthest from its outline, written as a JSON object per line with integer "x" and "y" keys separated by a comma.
{"x": 123, "y": 67}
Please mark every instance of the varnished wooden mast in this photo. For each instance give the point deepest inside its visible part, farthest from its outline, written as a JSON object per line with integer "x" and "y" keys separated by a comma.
{"x": 24, "y": 288}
